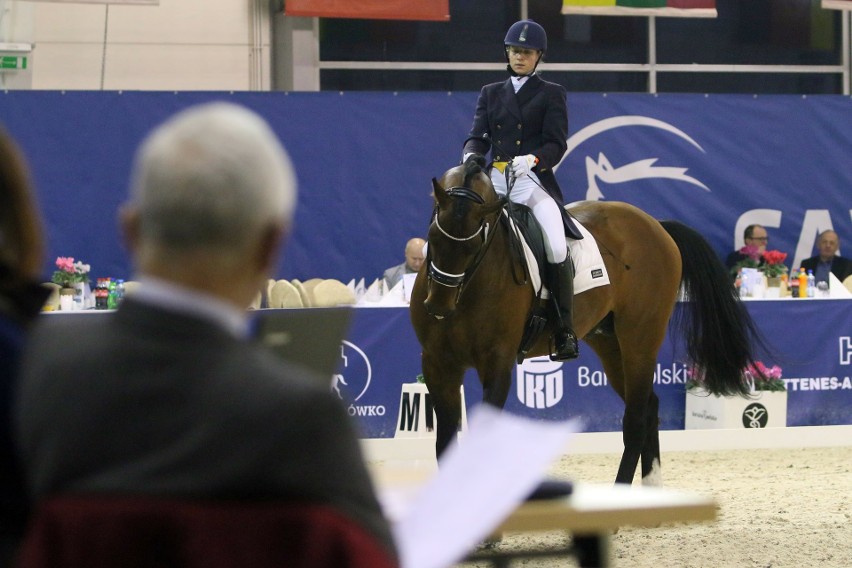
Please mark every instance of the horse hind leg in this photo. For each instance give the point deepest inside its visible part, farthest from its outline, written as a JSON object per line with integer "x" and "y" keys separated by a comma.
{"x": 639, "y": 425}
{"x": 651, "y": 472}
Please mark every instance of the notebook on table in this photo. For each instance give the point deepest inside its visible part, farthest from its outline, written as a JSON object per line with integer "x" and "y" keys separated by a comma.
{"x": 308, "y": 337}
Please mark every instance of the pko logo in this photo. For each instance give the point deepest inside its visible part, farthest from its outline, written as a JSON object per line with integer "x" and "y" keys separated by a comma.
{"x": 354, "y": 378}
{"x": 540, "y": 382}
{"x": 602, "y": 169}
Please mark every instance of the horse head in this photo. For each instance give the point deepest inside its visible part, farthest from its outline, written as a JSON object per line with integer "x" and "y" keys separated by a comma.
{"x": 466, "y": 208}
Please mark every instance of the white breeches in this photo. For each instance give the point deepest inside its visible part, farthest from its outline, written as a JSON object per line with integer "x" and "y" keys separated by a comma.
{"x": 527, "y": 191}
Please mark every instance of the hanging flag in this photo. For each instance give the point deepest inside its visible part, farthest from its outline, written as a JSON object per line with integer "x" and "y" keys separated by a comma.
{"x": 432, "y": 10}
{"x": 672, "y": 8}
{"x": 147, "y": 2}
{"x": 837, "y": 4}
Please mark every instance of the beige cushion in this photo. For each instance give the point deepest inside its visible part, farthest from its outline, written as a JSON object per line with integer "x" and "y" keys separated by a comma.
{"x": 284, "y": 295}
{"x": 267, "y": 294}
{"x": 848, "y": 283}
{"x": 255, "y": 304}
{"x": 130, "y": 286}
{"x": 333, "y": 293}
{"x": 306, "y": 301}
{"x": 52, "y": 302}
{"x": 309, "y": 286}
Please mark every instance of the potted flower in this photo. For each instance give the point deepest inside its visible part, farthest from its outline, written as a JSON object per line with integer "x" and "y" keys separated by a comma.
{"x": 74, "y": 279}
{"x": 765, "y": 406}
{"x": 752, "y": 258}
{"x": 69, "y": 273}
{"x": 763, "y": 378}
{"x": 773, "y": 266}
{"x": 757, "y": 376}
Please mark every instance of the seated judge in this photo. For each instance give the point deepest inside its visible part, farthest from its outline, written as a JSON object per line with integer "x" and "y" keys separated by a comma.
{"x": 167, "y": 396}
{"x": 827, "y": 261}
{"x": 754, "y": 236}
{"x": 414, "y": 258}
{"x": 21, "y": 298}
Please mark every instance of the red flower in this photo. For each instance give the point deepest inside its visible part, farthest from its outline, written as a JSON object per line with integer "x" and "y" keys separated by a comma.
{"x": 774, "y": 257}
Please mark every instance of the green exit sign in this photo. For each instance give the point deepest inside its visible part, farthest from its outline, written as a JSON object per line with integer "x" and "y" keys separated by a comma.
{"x": 13, "y": 62}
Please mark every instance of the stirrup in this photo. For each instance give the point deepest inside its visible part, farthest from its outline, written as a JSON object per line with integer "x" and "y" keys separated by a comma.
{"x": 564, "y": 346}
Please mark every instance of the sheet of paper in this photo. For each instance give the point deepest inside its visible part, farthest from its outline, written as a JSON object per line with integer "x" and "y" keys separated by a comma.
{"x": 480, "y": 481}
{"x": 836, "y": 288}
{"x": 408, "y": 286}
{"x": 751, "y": 280}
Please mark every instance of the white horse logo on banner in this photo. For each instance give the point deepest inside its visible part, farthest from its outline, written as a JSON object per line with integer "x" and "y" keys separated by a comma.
{"x": 602, "y": 169}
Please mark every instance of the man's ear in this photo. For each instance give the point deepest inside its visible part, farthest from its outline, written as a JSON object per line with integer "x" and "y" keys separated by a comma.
{"x": 269, "y": 246}
{"x": 128, "y": 226}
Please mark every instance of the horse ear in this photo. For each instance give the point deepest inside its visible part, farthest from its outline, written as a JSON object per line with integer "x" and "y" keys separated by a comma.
{"x": 440, "y": 194}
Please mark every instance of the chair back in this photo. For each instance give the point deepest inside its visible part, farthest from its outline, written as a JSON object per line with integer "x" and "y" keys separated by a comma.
{"x": 333, "y": 292}
{"x": 284, "y": 295}
{"x": 146, "y": 532}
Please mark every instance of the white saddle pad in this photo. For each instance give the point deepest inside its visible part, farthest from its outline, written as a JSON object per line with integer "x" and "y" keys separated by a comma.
{"x": 589, "y": 268}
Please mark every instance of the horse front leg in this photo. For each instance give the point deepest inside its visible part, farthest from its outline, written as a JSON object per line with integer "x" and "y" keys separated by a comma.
{"x": 494, "y": 368}
{"x": 444, "y": 383}
{"x": 495, "y": 388}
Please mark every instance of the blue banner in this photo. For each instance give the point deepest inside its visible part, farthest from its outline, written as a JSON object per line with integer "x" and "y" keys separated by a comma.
{"x": 365, "y": 160}
{"x": 812, "y": 341}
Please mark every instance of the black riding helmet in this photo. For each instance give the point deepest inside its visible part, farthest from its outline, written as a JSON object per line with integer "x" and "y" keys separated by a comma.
{"x": 527, "y": 34}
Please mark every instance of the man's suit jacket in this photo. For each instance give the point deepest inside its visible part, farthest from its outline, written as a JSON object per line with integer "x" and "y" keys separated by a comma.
{"x": 149, "y": 401}
{"x": 533, "y": 121}
{"x": 395, "y": 273}
{"x": 840, "y": 266}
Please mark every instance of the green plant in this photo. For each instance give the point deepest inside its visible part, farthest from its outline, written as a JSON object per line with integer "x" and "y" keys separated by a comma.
{"x": 70, "y": 272}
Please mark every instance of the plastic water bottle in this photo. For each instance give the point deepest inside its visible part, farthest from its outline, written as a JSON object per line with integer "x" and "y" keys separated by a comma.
{"x": 803, "y": 283}
{"x": 119, "y": 291}
{"x": 811, "y": 284}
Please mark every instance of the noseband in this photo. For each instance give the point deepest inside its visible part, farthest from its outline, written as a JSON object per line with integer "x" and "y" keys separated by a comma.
{"x": 449, "y": 279}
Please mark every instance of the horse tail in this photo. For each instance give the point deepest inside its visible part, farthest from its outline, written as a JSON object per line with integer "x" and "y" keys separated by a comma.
{"x": 720, "y": 334}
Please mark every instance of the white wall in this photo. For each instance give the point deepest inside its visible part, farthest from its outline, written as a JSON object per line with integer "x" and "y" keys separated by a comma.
{"x": 179, "y": 45}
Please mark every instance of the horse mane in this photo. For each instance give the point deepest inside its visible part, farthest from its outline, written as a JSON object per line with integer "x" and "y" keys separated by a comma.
{"x": 471, "y": 168}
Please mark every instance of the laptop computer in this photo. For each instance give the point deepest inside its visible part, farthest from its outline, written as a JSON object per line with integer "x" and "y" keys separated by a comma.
{"x": 308, "y": 337}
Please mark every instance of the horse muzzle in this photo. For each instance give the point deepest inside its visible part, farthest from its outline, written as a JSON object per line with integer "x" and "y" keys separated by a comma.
{"x": 438, "y": 310}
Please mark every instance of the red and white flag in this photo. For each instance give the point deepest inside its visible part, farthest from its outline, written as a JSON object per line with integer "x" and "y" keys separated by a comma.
{"x": 136, "y": 2}
{"x": 431, "y": 10}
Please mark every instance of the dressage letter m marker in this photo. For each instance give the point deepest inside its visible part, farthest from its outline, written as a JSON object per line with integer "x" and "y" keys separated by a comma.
{"x": 409, "y": 415}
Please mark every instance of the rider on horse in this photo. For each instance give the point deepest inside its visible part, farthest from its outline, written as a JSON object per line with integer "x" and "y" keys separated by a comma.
{"x": 524, "y": 120}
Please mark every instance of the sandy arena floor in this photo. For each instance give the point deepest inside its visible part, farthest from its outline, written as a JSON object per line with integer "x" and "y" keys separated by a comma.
{"x": 779, "y": 508}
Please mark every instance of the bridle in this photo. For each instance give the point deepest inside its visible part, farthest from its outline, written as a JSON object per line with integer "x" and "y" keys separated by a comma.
{"x": 449, "y": 279}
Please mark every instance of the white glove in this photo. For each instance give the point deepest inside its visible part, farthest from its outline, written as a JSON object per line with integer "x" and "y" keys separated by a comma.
{"x": 523, "y": 165}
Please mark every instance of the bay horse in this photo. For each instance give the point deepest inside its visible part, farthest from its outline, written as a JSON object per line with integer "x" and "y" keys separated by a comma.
{"x": 468, "y": 311}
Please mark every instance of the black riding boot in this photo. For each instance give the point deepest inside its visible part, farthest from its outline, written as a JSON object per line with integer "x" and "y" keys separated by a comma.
{"x": 562, "y": 290}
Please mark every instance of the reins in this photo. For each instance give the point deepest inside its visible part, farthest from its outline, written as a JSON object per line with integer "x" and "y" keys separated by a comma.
{"x": 515, "y": 246}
